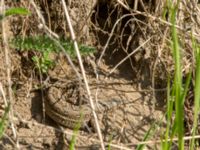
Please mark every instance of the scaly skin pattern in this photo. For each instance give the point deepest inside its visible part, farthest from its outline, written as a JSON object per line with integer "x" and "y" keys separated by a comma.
{"x": 63, "y": 112}
{"x": 60, "y": 105}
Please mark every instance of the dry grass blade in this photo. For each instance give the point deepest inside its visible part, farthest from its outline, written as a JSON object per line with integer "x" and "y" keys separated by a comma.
{"x": 83, "y": 73}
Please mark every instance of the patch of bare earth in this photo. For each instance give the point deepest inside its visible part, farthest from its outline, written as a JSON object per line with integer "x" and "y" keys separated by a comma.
{"x": 124, "y": 124}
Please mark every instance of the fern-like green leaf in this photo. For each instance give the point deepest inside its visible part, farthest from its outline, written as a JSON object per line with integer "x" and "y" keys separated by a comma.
{"x": 45, "y": 46}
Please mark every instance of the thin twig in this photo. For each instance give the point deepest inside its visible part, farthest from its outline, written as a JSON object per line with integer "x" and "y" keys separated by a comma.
{"x": 153, "y": 17}
{"x": 83, "y": 73}
{"x": 111, "y": 34}
{"x": 133, "y": 52}
{"x": 3, "y": 95}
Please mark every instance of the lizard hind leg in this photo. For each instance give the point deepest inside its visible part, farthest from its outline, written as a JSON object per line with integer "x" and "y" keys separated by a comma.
{"x": 92, "y": 123}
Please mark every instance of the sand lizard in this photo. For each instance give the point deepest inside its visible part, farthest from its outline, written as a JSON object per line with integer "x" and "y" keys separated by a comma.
{"x": 61, "y": 105}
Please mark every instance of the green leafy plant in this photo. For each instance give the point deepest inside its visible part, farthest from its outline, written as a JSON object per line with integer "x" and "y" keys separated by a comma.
{"x": 45, "y": 46}
{"x": 43, "y": 63}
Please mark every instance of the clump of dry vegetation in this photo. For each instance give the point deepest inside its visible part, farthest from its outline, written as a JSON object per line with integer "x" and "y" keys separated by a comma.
{"x": 148, "y": 44}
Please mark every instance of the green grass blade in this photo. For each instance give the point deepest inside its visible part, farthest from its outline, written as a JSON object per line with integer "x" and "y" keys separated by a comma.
{"x": 150, "y": 133}
{"x": 3, "y": 121}
{"x": 177, "y": 81}
{"x": 186, "y": 87}
{"x": 75, "y": 132}
{"x": 196, "y": 91}
{"x": 110, "y": 141}
{"x": 170, "y": 104}
{"x": 16, "y": 11}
